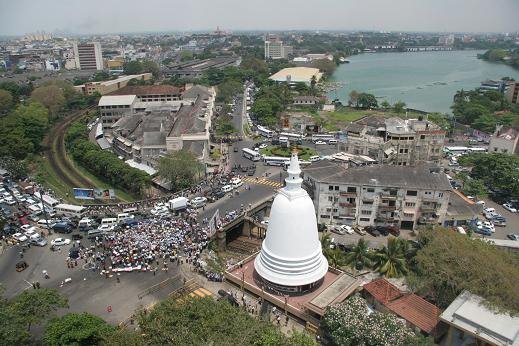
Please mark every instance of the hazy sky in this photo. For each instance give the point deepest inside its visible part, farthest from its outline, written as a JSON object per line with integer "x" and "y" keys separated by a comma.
{"x": 99, "y": 16}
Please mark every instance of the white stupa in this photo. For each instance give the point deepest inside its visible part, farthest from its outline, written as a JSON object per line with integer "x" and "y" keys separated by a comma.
{"x": 291, "y": 258}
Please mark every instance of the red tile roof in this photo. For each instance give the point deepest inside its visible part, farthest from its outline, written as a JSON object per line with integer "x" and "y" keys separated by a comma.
{"x": 416, "y": 311}
{"x": 382, "y": 290}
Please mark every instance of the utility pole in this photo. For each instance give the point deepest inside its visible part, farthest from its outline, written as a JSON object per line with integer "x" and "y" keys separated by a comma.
{"x": 44, "y": 212}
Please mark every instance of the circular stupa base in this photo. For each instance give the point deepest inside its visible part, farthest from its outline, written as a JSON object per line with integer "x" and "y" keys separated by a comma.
{"x": 283, "y": 290}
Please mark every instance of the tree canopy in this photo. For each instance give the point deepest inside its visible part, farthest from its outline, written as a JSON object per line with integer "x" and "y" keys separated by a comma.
{"x": 6, "y": 101}
{"x": 51, "y": 96}
{"x": 464, "y": 264}
{"x": 81, "y": 329}
{"x": 181, "y": 168}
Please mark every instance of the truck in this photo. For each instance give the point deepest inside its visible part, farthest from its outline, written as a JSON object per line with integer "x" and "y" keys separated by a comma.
{"x": 177, "y": 204}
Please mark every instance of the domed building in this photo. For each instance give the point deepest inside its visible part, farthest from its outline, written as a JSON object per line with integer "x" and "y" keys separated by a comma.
{"x": 291, "y": 258}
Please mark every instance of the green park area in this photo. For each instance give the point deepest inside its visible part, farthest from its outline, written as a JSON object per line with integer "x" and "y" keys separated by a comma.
{"x": 304, "y": 153}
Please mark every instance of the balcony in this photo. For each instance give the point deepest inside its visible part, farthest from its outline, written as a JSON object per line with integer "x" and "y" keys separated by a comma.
{"x": 429, "y": 207}
{"x": 346, "y": 205}
{"x": 347, "y": 194}
{"x": 382, "y": 207}
{"x": 387, "y": 196}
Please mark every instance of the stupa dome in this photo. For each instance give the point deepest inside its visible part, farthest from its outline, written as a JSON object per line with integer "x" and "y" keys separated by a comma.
{"x": 291, "y": 253}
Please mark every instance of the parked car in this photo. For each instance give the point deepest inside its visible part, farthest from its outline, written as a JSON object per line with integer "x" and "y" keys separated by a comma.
{"x": 383, "y": 230}
{"x": 227, "y": 188}
{"x": 372, "y": 230}
{"x": 60, "y": 241}
{"x": 198, "y": 202}
{"x": 20, "y": 237}
{"x": 484, "y": 231}
{"x": 359, "y": 229}
{"x": 62, "y": 227}
{"x": 509, "y": 207}
{"x": 38, "y": 241}
{"x": 394, "y": 230}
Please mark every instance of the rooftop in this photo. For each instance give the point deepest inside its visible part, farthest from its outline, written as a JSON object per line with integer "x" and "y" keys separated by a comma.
{"x": 142, "y": 90}
{"x": 416, "y": 310}
{"x": 410, "y": 177}
{"x": 468, "y": 313}
{"x": 297, "y": 74}
{"x": 118, "y": 100}
{"x": 382, "y": 290}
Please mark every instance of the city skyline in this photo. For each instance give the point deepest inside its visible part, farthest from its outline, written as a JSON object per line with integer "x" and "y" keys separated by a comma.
{"x": 117, "y": 16}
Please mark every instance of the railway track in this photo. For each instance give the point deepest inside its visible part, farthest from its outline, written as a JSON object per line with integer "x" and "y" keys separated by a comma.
{"x": 55, "y": 152}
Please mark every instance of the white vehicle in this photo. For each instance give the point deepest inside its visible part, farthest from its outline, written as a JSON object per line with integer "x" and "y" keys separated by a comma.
{"x": 158, "y": 210}
{"x": 332, "y": 141}
{"x": 322, "y": 137}
{"x": 30, "y": 232}
{"x": 265, "y": 132}
{"x": 20, "y": 237}
{"x": 130, "y": 210}
{"x": 198, "y": 202}
{"x": 509, "y": 207}
{"x": 9, "y": 201}
{"x": 178, "y": 203}
{"x": 109, "y": 221}
{"x": 283, "y": 139}
{"x": 314, "y": 158}
{"x": 236, "y": 183}
{"x": 124, "y": 216}
{"x": 347, "y": 229}
{"x": 320, "y": 142}
{"x": 276, "y": 160}
{"x": 251, "y": 154}
{"x": 85, "y": 223}
{"x": 263, "y": 145}
{"x": 70, "y": 210}
{"x": 60, "y": 241}
{"x": 292, "y": 136}
{"x": 104, "y": 229}
{"x": 227, "y": 188}
{"x": 481, "y": 203}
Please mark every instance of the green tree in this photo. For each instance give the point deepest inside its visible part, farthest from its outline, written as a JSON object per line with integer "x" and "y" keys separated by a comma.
{"x": 6, "y": 101}
{"x": 354, "y": 98}
{"x": 360, "y": 256}
{"x": 81, "y": 329}
{"x": 399, "y": 107}
{"x": 33, "y": 118}
{"x": 181, "y": 168}
{"x": 385, "y": 105}
{"x": 151, "y": 67}
{"x": 464, "y": 264}
{"x": 442, "y": 120}
{"x": 390, "y": 260}
{"x": 367, "y": 101}
{"x": 132, "y": 67}
{"x": 36, "y": 306}
{"x": 324, "y": 65}
{"x": 13, "y": 330}
{"x": 186, "y": 55}
{"x": 52, "y": 97}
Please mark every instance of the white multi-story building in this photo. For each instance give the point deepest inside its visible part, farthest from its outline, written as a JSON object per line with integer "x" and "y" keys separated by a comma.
{"x": 275, "y": 49}
{"x": 88, "y": 56}
{"x": 378, "y": 194}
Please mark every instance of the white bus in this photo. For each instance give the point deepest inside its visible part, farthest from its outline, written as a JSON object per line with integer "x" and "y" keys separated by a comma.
{"x": 130, "y": 210}
{"x": 292, "y": 136}
{"x": 322, "y": 137}
{"x": 477, "y": 150}
{"x": 283, "y": 139}
{"x": 48, "y": 200}
{"x": 70, "y": 210}
{"x": 276, "y": 160}
{"x": 251, "y": 154}
{"x": 456, "y": 150}
{"x": 124, "y": 216}
{"x": 265, "y": 132}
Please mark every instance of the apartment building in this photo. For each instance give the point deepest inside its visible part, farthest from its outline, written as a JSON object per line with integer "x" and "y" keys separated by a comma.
{"x": 395, "y": 141}
{"x": 378, "y": 194}
{"x": 512, "y": 94}
{"x": 88, "y": 56}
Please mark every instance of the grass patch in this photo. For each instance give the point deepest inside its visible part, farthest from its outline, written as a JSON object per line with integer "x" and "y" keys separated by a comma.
{"x": 99, "y": 183}
{"x": 45, "y": 176}
{"x": 304, "y": 153}
{"x": 216, "y": 154}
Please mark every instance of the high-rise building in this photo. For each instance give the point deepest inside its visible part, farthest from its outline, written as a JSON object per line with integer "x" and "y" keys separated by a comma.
{"x": 88, "y": 56}
{"x": 275, "y": 49}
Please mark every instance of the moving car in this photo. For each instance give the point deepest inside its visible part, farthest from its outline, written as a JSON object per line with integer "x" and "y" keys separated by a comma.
{"x": 227, "y": 188}
{"x": 262, "y": 146}
{"x": 21, "y": 266}
{"x": 60, "y": 241}
{"x": 513, "y": 236}
{"x": 320, "y": 142}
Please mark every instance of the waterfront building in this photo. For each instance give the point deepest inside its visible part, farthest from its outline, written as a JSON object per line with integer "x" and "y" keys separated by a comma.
{"x": 395, "y": 141}
{"x": 293, "y": 75}
{"x": 291, "y": 258}
{"x": 378, "y": 194}
{"x": 88, "y": 56}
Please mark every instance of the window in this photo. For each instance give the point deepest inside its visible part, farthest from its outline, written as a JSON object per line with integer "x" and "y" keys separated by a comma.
{"x": 428, "y": 193}
{"x": 330, "y": 187}
{"x": 367, "y": 202}
{"x": 335, "y": 210}
{"x": 325, "y": 216}
{"x": 364, "y": 219}
{"x": 330, "y": 198}
{"x": 422, "y": 137}
{"x": 336, "y": 188}
{"x": 410, "y": 204}
{"x": 352, "y": 189}
{"x": 365, "y": 212}
{"x": 411, "y": 193}
{"x": 440, "y": 194}
{"x": 371, "y": 189}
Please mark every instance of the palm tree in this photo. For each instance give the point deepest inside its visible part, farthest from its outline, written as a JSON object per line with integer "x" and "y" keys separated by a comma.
{"x": 336, "y": 258}
{"x": 360, "y": 256}
{"x": 326, "y": 241}
{"x": 390, "y": 261}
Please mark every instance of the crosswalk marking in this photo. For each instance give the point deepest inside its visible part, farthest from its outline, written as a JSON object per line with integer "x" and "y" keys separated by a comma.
{"x": 263, "y": 181}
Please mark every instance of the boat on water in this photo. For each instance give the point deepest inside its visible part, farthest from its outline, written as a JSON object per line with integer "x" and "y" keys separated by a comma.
{"x": 343, "y": 60}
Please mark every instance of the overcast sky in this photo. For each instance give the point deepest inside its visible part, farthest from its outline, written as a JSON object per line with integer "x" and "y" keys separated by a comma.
{"x": 102, "y": 16}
